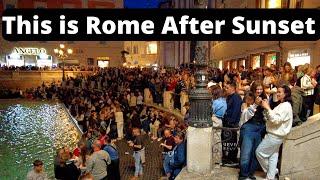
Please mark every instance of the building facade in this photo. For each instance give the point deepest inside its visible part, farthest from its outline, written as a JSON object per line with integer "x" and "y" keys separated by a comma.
{"x": 141, "y": 53}
{"x": 175, "y": 53}
{"x": 264, "y": 53}
{"x": 98, "y": 53}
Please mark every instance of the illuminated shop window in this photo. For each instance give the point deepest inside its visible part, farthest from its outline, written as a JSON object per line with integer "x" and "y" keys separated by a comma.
{"x": 103, "y": 64}
{"x": 242, "y": 63}
{"x": 299, "y": 57}
{"x": 152, "y": 48}
{"x": 271, "y": 59}
{"x": 220, "y": 65}
{"x": 277, "y": 4}
{"x": 256, "y": 62}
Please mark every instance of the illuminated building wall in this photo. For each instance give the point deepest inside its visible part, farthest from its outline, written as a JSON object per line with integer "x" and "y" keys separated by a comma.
{"x": 296, "y": 52}
{"x": 84, "y": 53}
{"x": 142, "y": 53}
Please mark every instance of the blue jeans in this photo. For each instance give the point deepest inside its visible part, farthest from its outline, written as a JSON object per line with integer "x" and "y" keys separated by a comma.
{"x": 137, "y": 163}
{"x": 166, "y": 166}
{"x": 250, "y": 138}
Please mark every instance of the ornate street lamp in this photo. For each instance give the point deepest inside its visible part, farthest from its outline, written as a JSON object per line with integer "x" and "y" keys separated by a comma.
{"x": 200, "y": 98}
{"x": 62, "y": 53}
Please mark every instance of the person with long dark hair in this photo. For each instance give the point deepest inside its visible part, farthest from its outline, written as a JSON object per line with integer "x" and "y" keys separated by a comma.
{"x": 251, "y": 132}
{"x": 278, "y": 126}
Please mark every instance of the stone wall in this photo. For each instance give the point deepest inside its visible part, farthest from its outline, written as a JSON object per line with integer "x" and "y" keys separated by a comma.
{"x": 301, "y": 151}
{"x": 28, "y": 79}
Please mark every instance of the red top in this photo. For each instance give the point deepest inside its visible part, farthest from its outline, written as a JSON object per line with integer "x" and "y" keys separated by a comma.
{"x": 76, "y": 152}
{"x": 172, "y": 86}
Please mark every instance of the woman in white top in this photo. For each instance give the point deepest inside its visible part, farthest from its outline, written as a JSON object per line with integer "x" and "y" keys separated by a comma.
{"x": 278, "y": 125}
{"x": 308, "y": 83}
{"x": 119, "y": 121}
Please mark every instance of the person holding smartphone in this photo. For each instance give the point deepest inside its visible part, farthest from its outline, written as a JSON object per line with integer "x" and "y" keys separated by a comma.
{"x": 278, "y": 126}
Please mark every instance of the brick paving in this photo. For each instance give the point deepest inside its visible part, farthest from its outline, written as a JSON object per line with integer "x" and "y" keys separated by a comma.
{"x": 153, "y": 166}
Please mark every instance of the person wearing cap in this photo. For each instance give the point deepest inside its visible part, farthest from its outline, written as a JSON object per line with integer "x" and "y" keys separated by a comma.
{"x": 37, "y": 173}
{"x": 178, "y": 157}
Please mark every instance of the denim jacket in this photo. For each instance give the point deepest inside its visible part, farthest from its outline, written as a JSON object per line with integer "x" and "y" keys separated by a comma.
{"x": 179, "y": 156}
{"x": 219, "y": 107}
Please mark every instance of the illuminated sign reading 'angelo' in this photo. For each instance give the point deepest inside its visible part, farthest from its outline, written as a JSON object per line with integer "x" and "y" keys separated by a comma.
{"x": 29, "y": 51}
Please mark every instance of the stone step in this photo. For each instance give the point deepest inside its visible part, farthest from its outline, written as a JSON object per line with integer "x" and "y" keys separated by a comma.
{"x": 222, "y": 173}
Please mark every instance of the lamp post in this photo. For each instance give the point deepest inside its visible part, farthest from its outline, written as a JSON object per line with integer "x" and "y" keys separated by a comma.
{"x": 62, "y": 53}
{"x": 200, "y": 133}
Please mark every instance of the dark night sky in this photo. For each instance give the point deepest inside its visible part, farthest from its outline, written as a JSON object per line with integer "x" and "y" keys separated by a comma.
{"x": 142, "y": 3}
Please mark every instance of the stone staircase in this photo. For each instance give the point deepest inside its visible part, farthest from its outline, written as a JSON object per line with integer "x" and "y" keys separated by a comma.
{"x": 300, "y": 157}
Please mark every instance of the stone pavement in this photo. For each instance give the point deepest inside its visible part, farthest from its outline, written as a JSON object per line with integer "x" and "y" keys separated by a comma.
{"x": 223, "y": 173}
{"x": 153, "y": 166}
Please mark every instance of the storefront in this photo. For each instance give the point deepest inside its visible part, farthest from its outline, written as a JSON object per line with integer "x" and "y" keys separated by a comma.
{"x": 242, "y": 62}
{"x": 270, "y": 58}
{"x": 21, "y": 56}
{"x": 103, "y": 62}
{"x": 299, "y": 57}
{"x": 234, "y": 64}
{"x": 256, "y": 61}
{"x": 220, "y": 64}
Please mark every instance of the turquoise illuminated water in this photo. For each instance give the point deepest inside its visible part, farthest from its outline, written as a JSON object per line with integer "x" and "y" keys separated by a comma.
{"x": 30, "y": 131}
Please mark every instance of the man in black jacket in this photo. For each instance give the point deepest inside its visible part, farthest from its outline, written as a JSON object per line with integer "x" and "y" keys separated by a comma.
{"x": 231, "y": 120}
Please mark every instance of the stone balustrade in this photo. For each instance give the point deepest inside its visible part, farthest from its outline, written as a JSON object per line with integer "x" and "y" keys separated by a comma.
{"x": 301, "y": 151}
{"x": 28, "y": 79}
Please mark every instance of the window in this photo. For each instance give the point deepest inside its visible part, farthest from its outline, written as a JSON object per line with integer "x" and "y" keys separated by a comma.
{"x": 220, "y": 65}
{"x": 256, "y": 62}
{"x": 135, "y": 50}
{"x": 128, "y": 49}
{"x": 299, "y": 57}
{"x": 242, "y": 62}
{"x": 271, "y": 58}
{"x": 90, "y": 61}
{"x": 10, "y": 6}
{"x": 103, "y": 64}
{"x": 152, "y": 47}
{"x": 277, "y": 4}
{"x": 299, "y": 4}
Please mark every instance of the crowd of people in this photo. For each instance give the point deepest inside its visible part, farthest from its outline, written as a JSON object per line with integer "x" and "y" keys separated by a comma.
{"x": 45, "y": 68}
{"x": 110, "y": 105}
{"x": 264, "y": 104}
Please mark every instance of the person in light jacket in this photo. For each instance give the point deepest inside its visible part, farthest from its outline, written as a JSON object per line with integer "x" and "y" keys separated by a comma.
{"x": 278, "y": 126}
